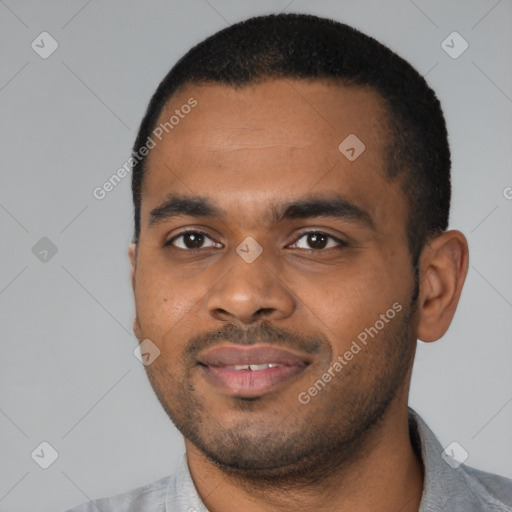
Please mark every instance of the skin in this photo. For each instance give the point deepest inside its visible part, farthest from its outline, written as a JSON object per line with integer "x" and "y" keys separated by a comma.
{"x": 247, "y": 150}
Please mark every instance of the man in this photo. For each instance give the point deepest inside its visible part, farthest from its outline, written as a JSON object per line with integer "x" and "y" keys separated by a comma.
{"x": 291, "y": 183}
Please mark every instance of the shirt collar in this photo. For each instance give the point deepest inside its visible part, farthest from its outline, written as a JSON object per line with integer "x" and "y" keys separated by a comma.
{"x": 444, "y": 487}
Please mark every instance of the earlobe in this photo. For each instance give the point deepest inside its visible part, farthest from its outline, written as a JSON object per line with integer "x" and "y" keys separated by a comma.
{"x": 443, "y": 268}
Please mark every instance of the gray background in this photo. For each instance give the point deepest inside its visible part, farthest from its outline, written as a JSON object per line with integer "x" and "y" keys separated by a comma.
{"x": 68, "y": 375}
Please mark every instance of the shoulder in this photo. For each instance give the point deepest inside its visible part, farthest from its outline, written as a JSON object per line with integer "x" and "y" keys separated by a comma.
{"x": 454, "y": 486}
{"x": 148, "y": 497}
{"x": 493, "y": 491}
{"x": 175, "y": 493}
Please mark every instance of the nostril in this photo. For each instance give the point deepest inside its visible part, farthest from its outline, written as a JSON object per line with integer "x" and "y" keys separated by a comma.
{"x": 264, "y": 311}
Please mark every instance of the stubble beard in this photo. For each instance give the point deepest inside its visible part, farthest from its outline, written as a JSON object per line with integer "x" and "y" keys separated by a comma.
{"x": 312, "y": 447}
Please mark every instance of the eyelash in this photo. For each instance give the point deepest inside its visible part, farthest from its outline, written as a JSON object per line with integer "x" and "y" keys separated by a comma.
{"x": 340, "y": 243}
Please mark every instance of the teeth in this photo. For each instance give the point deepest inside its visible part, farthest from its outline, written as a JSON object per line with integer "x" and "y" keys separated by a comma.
{"x": 253, "y": 367}
{"x": 256, "y": 367}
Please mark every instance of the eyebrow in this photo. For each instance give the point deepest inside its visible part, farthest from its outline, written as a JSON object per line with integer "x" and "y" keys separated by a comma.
{"x": 333, "y": 206}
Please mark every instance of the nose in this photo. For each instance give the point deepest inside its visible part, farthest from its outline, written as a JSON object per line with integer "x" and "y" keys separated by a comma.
{"x": 251, "y": 292}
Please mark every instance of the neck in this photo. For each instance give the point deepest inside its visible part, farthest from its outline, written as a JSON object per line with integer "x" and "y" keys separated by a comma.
{"x": 386, "y": 475}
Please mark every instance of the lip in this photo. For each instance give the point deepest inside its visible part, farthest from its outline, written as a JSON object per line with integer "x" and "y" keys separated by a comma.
{"x": 217, "y": 364}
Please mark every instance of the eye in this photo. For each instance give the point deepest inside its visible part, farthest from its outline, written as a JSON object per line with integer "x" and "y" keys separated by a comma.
{"x": 192, "y": 240}
{"x": 317, "y": 240}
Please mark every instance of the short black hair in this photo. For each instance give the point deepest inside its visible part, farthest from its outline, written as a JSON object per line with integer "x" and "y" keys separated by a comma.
{"x": 301, "y": 46}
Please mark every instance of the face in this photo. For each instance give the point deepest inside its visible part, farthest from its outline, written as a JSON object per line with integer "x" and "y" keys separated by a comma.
{"x": 273, "y": 273}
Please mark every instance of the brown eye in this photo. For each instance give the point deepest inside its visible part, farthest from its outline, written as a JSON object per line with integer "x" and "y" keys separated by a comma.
{"x": 317, "y": 240}
{"x": 192, "y": 240}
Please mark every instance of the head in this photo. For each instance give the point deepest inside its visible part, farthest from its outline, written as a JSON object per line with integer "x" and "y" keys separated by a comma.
{"x": 295, "y": 196}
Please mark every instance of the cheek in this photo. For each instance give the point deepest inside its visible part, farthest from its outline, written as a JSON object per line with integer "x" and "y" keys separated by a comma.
{"x": 161, "y": 301}
{"x": 168, "y": 302}
{"x": 350, "y": 300}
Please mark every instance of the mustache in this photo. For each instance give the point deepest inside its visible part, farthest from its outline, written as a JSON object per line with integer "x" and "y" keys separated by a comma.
{"x": 261, "y": 333}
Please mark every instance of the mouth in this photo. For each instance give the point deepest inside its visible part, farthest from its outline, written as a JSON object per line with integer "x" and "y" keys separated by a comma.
{"x": 250, "y": 371}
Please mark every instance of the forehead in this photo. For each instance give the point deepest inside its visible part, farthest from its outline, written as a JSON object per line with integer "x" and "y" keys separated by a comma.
{"x": 305, "y": 115}
{"x": 276, "y": 139}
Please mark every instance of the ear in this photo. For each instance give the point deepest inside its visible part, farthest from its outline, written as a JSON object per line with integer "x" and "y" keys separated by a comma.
{"x": 443, "y": 268}
{"x": 132, "y": 254}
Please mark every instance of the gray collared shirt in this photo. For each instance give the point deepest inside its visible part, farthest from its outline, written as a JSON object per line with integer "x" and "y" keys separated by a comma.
{"x": 448, "y": 487}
